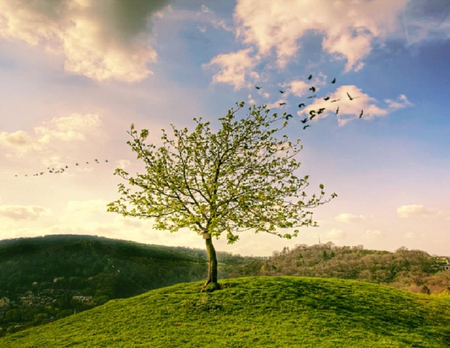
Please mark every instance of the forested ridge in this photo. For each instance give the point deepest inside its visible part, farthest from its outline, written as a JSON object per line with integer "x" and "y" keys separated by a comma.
{"x": 412, "y": 270}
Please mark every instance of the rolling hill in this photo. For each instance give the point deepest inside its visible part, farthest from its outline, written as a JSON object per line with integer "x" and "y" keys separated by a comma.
{"x": 46, "y": 278}
{"x": 255, "y": 312}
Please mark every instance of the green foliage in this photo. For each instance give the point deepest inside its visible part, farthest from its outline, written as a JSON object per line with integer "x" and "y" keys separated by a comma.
{"x": 255, "y": 312}
{"x": 243, "y": 176}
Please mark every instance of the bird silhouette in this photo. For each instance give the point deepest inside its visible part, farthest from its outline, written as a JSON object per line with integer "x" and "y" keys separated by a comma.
{"x": 288, "y": 116}
{"x": 320, "y": 110}
{"x": 312, "y": 112}
{"x": 304, "y": 120}
{"x": 301, "y": 105}
{"x": 337, "y": 110}
{"x": 350, "y": 97}
{"x": 312, "y": 89}
{"x": 257, "y": 87}
{"x": 334, "y": 80}
{"x": 281, "y": 104}
{"x": 309, "y": 77}
{"x": 281, "y": 91}
{"x": 304, "y": 127}
{"x": 362, "y": 112}
{"x": 327, "y": 98}
{"x": 311, "y": 96}
{"x": 334, "y": 101}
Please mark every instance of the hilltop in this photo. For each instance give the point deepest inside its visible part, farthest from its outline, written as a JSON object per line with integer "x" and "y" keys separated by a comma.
{"x": 257, "y": 311}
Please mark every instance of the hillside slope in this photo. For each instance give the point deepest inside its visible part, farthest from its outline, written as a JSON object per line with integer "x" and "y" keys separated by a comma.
{"x": 46, "y": 278}
{"x": 254, "y": 312}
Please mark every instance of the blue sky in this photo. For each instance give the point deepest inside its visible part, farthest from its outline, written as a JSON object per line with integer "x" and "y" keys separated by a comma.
{"x": 74, "y": 74}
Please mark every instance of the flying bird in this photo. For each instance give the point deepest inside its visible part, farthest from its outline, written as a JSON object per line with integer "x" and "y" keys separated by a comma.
{"x": 320, "y": 110}
{"x": 288, "y": 116}
{"x": 334, "y": 101}
{"x": 257, "y": 87}
{"x": 334, "y": 80}
{"x": 304, "y": 127}
{"x": 350, "y": 97}
{"x": 309, "y": 77}
{"x": 311, "y": 96}
{"x": 362, "y": 112}
{"x": 304, "y": 120}
{"x": 312, "y": 112}
{"x": 283, "y": 103}
{"x": 281, "y": 91}
{"x": 337, "y": 110}
{"x": 301, "y": 105}
{"x": 327, "y": 98}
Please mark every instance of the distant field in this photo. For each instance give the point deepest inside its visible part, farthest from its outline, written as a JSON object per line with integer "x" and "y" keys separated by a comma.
{"x": 255, "y": 312}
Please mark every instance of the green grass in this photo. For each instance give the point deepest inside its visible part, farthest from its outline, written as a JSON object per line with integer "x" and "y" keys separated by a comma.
{"x": 255, "y": 312}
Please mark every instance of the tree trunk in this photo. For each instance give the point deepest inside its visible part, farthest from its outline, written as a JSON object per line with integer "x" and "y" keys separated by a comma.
{"x": 211, "y": 280}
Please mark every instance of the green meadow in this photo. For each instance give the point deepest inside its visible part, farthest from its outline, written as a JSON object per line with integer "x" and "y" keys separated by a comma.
{"x": 255, "y": 312}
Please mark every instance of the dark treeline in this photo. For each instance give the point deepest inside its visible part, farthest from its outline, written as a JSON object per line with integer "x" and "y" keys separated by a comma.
{"x": 46, "y": 278}
{"x": 412, "y": 270}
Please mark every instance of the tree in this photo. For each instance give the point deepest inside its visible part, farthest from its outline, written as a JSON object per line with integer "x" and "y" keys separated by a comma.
{"x": 241, "y": 177}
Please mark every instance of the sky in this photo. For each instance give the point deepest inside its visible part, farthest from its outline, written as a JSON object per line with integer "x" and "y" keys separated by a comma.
{"x": 75, "y": 74}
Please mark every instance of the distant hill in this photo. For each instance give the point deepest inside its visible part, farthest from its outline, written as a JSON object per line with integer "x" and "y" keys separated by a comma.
{"x": 412, "y": 270}
{"x": 45, "y": 278}
{"x": 255, "y": 312}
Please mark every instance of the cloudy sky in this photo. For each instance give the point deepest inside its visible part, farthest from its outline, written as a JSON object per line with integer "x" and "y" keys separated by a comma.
{"x": 74, "y": 74}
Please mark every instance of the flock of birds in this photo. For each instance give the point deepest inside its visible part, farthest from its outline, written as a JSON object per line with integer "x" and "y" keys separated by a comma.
{"x": 314, "y": 113}
{"x": 53, "y": 170}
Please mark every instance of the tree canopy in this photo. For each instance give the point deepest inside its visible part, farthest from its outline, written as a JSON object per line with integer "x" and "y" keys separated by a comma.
{"x": 244, "y": 176}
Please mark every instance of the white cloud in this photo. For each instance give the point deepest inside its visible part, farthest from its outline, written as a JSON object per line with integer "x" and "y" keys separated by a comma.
{"x": 22, "y": 212}
{"x": 401, "y": 102}
{"x": 346, "y": 217}
{"x": 298, "y": 87}
{"x": 418, "y": 211}
{"x": 100, "y": 40}
{"x": 348, "y": 30}
{"x": 374, "y": 234}
{"x": 64, "y": 129}
{"x": 234, "y": 68}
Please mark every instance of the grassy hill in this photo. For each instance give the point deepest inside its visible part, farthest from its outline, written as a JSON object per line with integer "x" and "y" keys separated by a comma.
{"x": 46, "y": 278}
{"x": 255, "y": 312}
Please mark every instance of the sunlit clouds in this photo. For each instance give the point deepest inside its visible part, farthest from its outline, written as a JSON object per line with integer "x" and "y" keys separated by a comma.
{"x": 347, "y": 217}
{"x": 348, "y": 30}
{"x": 19, "y": 213}
{"x": 56, "y": 131}
{"x": 234, "y": 68}
{"x": 419, "y": 211}
{"x": 99, "y": 40}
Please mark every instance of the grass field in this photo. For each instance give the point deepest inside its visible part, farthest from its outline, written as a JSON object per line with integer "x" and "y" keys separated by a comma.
{"x": 255, "y": 312}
